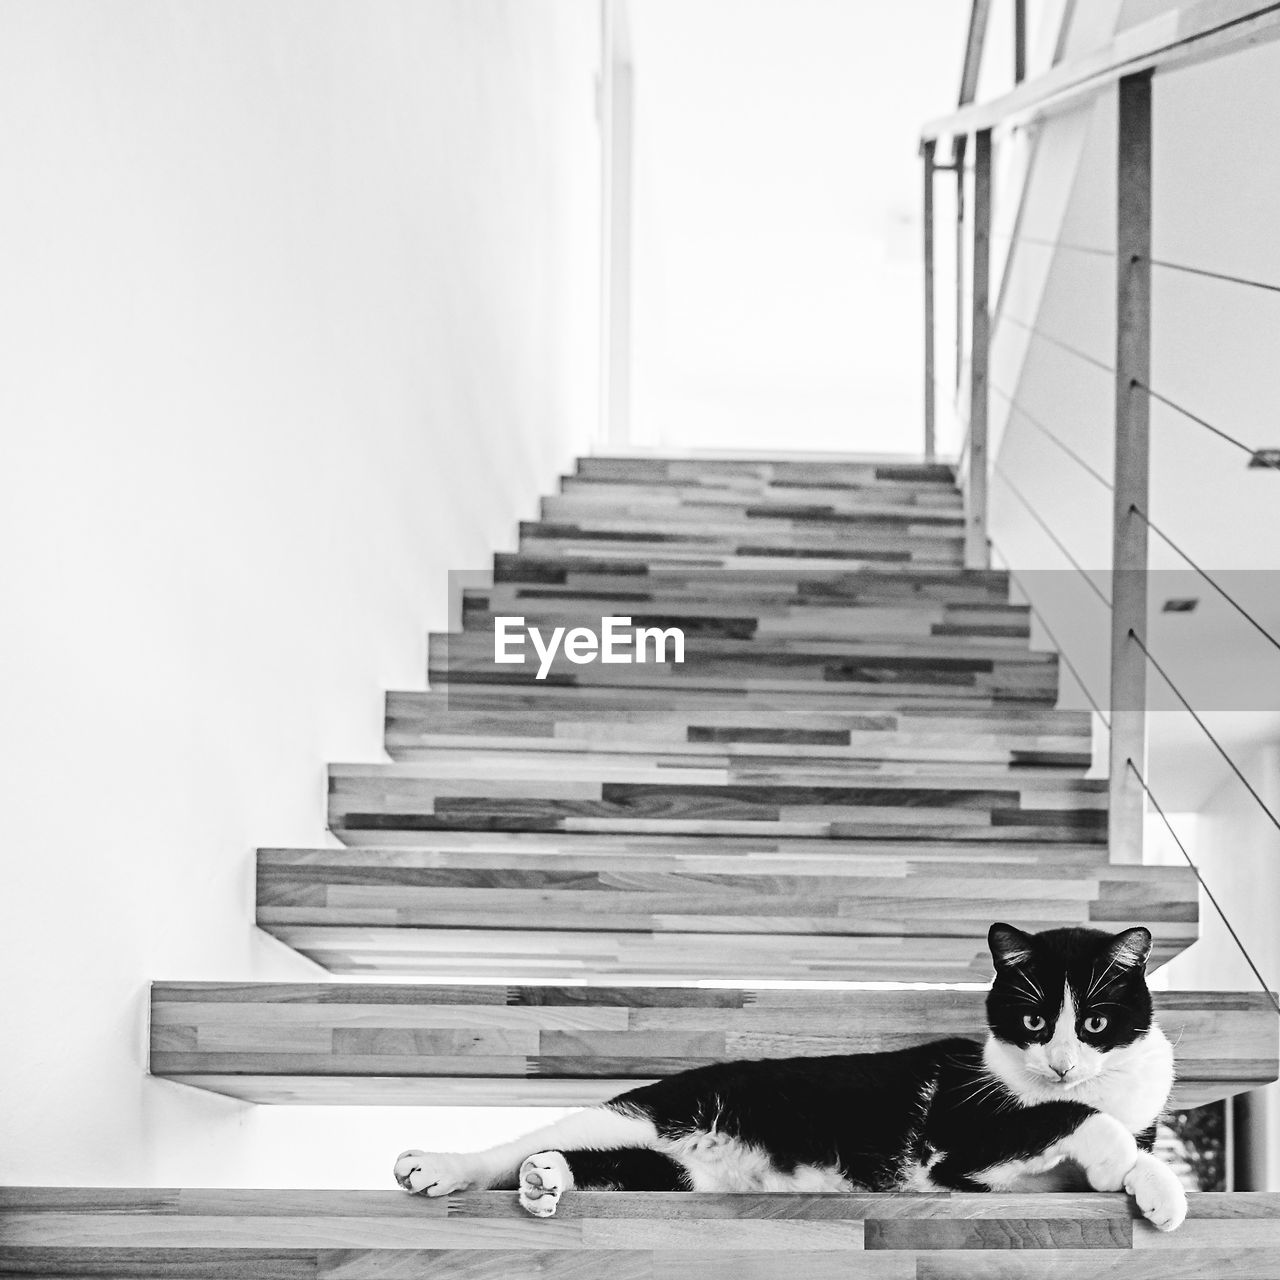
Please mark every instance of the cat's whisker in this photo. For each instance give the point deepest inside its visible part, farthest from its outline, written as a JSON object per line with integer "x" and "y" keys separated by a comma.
{"x": 1029, "y": 983}
{"x": 1096, "y": 984}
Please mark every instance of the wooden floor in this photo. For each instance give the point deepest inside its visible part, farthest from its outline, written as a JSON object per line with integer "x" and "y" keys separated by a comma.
{"x": 424, "y": 1044}
{"x": 354, "y": 1235}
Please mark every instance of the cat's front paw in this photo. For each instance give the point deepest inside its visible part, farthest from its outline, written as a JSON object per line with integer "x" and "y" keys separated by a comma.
{"x": 1158, "y": 1192}
{"x": 543, "y": 1178}
{"x": 1105, "y": 1150}
{"x": 433, "y": 1174}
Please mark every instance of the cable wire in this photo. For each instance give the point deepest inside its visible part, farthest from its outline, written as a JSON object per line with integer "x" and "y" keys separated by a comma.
{"x": 1062, "y": 653}
{"x": 1214, "y": 275}
{"x": 1054, "y": 244}
{"x": 1057, "y": 542}
{"x": 1208, "y": 893}
{"x": 1039, "y": 426}
{"x": 1222, "y": 751}
{"x": 1208, "y": 426}
{"x": 1057, "y": 342}
{"x": 1235, "y": 604}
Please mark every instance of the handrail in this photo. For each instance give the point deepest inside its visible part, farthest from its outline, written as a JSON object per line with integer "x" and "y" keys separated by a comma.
{"x": 1194, "y": 33}
{"x": 974, "y": 46}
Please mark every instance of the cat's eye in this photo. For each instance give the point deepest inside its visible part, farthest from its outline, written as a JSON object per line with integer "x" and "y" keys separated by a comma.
{"x": 1034, "y": 1022}
{"x": 1095, "y": 1025}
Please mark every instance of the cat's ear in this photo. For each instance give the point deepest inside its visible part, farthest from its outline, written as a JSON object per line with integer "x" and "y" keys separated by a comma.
{"x": 1130, "y": 949}
{"x": 1010, "y": 947}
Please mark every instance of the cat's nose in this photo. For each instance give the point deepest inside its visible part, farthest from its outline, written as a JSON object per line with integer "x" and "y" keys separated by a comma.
{"x": 1063, "y": 1072}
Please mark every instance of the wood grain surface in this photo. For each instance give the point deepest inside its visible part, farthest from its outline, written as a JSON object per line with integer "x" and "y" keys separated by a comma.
{"x": 362, "y": 1235}
{"x": 574, "y": 907}
{"x": 270, "y": 1042}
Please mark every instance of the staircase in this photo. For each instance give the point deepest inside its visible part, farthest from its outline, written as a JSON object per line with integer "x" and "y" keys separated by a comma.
{"x": 858, "y": 766}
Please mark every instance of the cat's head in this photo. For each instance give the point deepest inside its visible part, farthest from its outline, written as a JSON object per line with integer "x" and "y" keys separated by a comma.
{"x": 1066, "y": 1002}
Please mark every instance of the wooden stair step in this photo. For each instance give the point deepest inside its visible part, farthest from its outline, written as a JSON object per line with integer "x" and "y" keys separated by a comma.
{"x": 416, "y": 1044}
{"x": 776, "y": 535}
{"x": 827, "y": 472}
{"x": 485, "y": 1235}
{"x": 649, "y": 757}
{"x": 694, "y": 911}
{"x": 768, "y": 852}
{"x": 780, "y": 579}
{"x": 795, "y": 520}
{"x": 725, "y": 628}
{"x": 763, "y": 494}
{"x": 781, "y": 777}
{"x": 742, "y": 666}
{"x": 507, "y": 717}
{"x": 877, "y": 712}
{"x": 758, "y": 502}
{"x": 732, "y": 553}
{"x": 758, "y": 615}
{"x": 910, "y": 804}
{"x": 761, "y": 702}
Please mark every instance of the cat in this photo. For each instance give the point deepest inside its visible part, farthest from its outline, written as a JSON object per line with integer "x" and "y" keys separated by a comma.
{"x": 1064, "y": 1094}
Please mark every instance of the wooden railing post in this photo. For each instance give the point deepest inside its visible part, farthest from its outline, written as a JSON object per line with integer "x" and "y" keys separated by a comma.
{"x": 977, "y": 553}
{"x": 930, "y": 372}
{"x": 1132, "y": 457}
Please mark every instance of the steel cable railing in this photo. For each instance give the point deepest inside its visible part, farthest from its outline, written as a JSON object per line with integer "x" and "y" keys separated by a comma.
{"x": 1039, "y": 426}
{"x": 1142, "y": 515}
{"x": 1208, "y": 893}
{"x": 1213, "y": 582}
{"x": 1191, "y": 711}
{"x": 1132, "y": 264}
{"x": 1062, "y": 653}
{"x": 1258, "y": 458}
{"x": 1214, "y": 275}
{"x": 1166, "y": 264}
{"x": 1054, "y": 341}
{"x": 1053, "y": 244}
{"x": 1053, "y": 537}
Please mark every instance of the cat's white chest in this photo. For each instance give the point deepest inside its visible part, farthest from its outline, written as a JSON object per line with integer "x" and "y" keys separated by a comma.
{"x": 717, "y": 1162}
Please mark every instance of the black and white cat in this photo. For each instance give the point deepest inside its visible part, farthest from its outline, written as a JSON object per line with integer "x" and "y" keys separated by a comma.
{"x": 1064, "y": 1093}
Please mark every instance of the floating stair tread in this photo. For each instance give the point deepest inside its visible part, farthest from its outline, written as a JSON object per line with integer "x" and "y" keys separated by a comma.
{"x": 827, "y": 470}
{"x": 360, "y": 1235}
{"x": 788, "y": 798}
{"x": 428, "y": 1044}
{"x": 548, "y": 909}
{"x": 723, "y": 629}
{"x": 784, "y": 577}
{"x": 738, "y": 667}
{"x": 758, "y": 615}
{"x": 830, "y": 709}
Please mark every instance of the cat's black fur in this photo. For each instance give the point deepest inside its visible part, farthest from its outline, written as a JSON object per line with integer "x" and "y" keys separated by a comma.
{"x": 951, "y": 1114}
{"x": 873, "y": 1116}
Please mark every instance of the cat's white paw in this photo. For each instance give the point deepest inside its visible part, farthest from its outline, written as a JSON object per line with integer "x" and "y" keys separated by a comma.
{"x": 1158, "y": 1192}
{"x": 1105, "y": 1150}
{"x": 433, "y": 1174}
{"x": 543, "y": 1178}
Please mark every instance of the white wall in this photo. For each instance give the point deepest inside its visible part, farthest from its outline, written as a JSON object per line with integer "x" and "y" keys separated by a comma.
{"x": 297, "y": 305}
{"x": 778, "y": 284}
